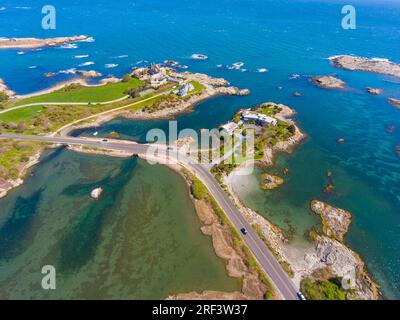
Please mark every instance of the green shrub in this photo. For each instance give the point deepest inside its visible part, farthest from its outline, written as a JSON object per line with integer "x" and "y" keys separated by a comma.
{"x": 199, "y": 190}
{"x": 322, "y": 290}
{"x": 3, "y": 97}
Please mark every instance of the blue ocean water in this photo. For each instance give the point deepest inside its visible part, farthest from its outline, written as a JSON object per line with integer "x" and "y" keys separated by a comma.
{"x": 286, "y": 37}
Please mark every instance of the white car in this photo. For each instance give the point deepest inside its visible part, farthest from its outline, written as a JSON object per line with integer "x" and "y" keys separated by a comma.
{"x": 301, "y": 296}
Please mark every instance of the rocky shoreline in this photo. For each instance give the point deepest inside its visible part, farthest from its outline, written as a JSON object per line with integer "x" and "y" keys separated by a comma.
{"x": 225, "y": 248}
{"x": 288, "y": 145}
{"x": 328, "y": 251}
{"x": 35, "y": 43}
{"x": 380, "y": 66}
{"x": 213, "y": 87}
{"x": 335, "y": 221}
{"x": 8, "y": 185}
{"x": 4, "y": 88}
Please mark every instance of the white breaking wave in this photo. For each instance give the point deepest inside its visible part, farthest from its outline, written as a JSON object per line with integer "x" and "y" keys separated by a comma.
{"x": 81, "y": 56}
{"x": 89, "y": 63}
{"x": 199, "y": 56}
{"x": 89, "y": 39}
{"x": 237, "y": 65}
{"x": 262, "y": 70}
{"x": 68, "y": 71}
{"x": 380, "y": 59}
{"x": 69, "y": 46}
{"x": 122, "y": 56}
{"x": 111, "y": 65}
{"x": 32, "y": 67}
{"x": 21, "y": 52}
{"x": 2, "y": 8}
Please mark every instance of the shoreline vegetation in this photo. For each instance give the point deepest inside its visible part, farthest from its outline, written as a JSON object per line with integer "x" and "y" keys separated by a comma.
{"x": 48, "y": 114}
{"x": 313, "y": 270}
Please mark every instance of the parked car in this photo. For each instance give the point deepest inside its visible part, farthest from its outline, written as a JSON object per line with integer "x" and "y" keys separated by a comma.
{"x": 243, "y": 231}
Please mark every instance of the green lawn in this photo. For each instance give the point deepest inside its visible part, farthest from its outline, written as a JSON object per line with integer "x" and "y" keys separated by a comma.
{"x": 108, "y": 92}
{"x": 17, "y": 115}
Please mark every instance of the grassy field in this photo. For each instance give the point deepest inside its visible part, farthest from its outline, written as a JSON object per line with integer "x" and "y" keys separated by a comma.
{"x": 108, "y": 92}
{"x": 26, "y": 114}
{"x": 46, "y": 119}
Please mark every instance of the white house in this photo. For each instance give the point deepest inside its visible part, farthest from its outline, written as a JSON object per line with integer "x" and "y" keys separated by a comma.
{"x": 259, "y": 118}
{"x": 230, "y": 127}
{"x": 185, "y": 89}
{"x": 158, "y": 79}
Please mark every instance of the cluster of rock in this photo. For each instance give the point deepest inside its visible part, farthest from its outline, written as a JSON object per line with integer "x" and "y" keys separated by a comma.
{"x": 270, "y": 182}
{"x": 375, "y": 91}
{"x": 5, "y": 89}
{"x": 381, "y": 66}
{"x": 330, "y": 252}
{"x": 88, "y": 74}
{"x": 328, "y": 82}
{"x": 335, "y": 221}
{"x": 394, "y": 102}
{"x": 34, "y": 43}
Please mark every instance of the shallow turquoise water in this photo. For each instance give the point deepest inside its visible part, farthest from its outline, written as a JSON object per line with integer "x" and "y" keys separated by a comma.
{"x": 137, "y": 242}
{"x": 286, "y": 37}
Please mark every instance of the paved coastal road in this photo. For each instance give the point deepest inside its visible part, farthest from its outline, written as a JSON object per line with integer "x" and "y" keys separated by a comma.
{"x": 264, "y": 256}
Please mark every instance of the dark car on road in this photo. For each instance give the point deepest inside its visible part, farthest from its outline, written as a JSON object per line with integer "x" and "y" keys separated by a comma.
{"x": 243, "y": 231}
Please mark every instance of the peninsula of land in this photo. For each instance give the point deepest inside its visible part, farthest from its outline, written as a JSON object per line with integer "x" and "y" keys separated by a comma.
{"x": 329, "y": 258}
{"x": 149, "y": 92}
{"x": 35, "y": 43}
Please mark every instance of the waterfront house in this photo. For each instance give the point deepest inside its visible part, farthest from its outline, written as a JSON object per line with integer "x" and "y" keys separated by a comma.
{"x": 258, "y": 118}
{"x": 185, "y": 89}
{"x": 230, "y": 127}
{"x": 158, "y": 79}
